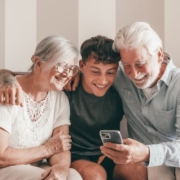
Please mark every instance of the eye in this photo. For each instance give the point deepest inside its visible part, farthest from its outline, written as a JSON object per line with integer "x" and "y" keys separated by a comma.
{"x": 110, "y": 73}
{"x": 126, "y": 66}
{"x": 139, "y": 65}
{"x": 95, "y": 72}
{"x": 71, "y": 69}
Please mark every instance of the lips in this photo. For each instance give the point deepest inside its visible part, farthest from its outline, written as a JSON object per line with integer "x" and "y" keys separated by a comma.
{"x": 100, "y": 86}
{"x": 140, "y": 79}
{"x": 62, "y": 80}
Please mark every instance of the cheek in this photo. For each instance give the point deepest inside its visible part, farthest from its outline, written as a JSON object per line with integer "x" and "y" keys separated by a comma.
{"x": 111, "y": 79}
{"x": 127, "y": 71}
{"x": 145, "y": 70}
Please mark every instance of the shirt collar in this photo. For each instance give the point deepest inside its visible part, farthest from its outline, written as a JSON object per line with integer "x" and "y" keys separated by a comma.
{"x": 166, "y": 77}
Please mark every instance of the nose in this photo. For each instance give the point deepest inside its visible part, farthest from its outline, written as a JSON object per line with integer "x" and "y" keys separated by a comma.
{"x": 64, "y": 74}
{"x": 102, "y": 79}
{"x": 66, "y": 71}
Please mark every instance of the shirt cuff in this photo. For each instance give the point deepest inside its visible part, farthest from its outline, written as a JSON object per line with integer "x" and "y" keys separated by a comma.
{"x": 157, "y": 156}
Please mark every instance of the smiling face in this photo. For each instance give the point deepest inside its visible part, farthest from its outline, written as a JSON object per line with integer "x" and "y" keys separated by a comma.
{"x": 54, "y": 79}
{"x": 97, "y": 77}
{"x": 141, "y": 67}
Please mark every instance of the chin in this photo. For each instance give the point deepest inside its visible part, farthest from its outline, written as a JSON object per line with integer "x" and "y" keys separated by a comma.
{"x": 143, "y": 86}
{"x": 99, "y": 94}
{"x": 58, "y": 88}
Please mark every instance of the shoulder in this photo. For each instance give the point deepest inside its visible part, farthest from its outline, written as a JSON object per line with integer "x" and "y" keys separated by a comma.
{"x": 8, "y": 114}
{"x": 113, "y": 94}
{"x": 173, "y": 78}
{"x": 59, "y": 96}
{"x": 75, "y": 94}
{"x": 9, "y": 109}
{"x": 121, "y": 78}
{"x": 176, "y": 73}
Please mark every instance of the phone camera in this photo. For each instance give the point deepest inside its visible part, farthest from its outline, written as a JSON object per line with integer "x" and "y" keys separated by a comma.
{"x": 106, "y": 136}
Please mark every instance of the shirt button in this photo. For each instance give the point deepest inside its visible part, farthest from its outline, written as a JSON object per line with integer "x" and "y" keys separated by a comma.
{"x": 144, "y": 107}
{"x": 147, "y": 123}
{"x": 129, "y": 92}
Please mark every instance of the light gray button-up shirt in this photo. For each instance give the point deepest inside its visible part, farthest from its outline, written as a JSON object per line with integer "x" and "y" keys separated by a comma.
{"x": 154, "y": 121}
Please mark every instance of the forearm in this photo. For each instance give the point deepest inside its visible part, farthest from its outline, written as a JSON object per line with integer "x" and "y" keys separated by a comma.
{"x": 64, "y": 158}
{"x": 167, "y": 153}
{"x": 7, "y": 77}
{"x": 13, "y": 156}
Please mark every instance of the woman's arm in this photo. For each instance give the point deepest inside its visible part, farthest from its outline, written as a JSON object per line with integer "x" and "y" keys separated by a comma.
{"x": 64, "y": 158}
{"x": 60, "y": 162}
{"x": 14, "y": 156}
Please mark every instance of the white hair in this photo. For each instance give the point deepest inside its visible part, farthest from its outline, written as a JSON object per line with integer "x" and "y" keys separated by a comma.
{"x": 137, "y": 35}
{"x": 55, "y": 49}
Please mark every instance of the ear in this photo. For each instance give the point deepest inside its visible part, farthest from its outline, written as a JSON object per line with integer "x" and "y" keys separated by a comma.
{"x": 160, "y": 55}
{"x": 81, "y": 65}
{"x": 37, "y": 62}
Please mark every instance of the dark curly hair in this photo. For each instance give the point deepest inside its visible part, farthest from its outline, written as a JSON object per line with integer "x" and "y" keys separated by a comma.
{"x": 99, "y": 48}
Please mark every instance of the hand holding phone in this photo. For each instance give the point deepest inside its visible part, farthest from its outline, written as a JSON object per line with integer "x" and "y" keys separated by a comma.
{"x": 113, "y": 136}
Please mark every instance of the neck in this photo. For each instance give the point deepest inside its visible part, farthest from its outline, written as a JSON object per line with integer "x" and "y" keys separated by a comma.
{"x": 161, "y": 72}
{"x": 32, "y": 86}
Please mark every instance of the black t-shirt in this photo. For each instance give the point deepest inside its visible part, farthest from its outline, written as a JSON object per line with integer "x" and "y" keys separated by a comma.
{"x": 89, "y": 114}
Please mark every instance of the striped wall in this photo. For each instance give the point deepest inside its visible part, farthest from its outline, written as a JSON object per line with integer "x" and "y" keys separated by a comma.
{"x": 23, "y": 23}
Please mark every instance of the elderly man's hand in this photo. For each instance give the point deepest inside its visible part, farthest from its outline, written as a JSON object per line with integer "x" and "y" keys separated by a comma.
{"x": 56, "y": 172}
{"x": 11, "y": 94}
{"x": 10, "y": 90}
{"x": 131, "y": 151}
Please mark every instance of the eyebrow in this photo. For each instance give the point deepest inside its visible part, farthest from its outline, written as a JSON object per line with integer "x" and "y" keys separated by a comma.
{"x": 137, "y": 62}
{"x": 94, "y": 67}
{"x": 100, "y": 69}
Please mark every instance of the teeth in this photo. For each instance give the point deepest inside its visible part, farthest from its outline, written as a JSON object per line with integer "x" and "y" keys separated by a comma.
{"x": 61, "y": 80}
{"x": 140, "y": 76}
{"x": 100, "y": 86}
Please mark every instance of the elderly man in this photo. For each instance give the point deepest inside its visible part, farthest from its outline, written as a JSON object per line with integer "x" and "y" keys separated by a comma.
{"x": 149, "y": 85}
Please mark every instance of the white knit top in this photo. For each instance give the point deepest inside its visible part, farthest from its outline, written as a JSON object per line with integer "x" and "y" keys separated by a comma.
{"x": 33, "y": 124}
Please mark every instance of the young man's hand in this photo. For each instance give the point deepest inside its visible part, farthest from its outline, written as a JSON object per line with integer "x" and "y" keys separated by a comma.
{"x": 10, "y": 90}
{"x": 131, "y": 151}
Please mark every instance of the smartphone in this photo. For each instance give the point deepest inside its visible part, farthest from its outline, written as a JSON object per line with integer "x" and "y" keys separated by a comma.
{"x": 113, "y": 136}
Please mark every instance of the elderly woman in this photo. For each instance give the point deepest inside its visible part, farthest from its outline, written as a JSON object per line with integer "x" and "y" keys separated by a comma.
{"x": 40, "y": 128}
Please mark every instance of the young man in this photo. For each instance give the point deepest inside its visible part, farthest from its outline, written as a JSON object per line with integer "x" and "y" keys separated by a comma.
{"x": 95, "y": 106}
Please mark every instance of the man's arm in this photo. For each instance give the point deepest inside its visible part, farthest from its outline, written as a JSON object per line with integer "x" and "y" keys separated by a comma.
{"x": 10, "y": 90}
{"x": 131, "y": 151}
{"x": 165, "y": 153}
{"x": 168, "y": 153}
